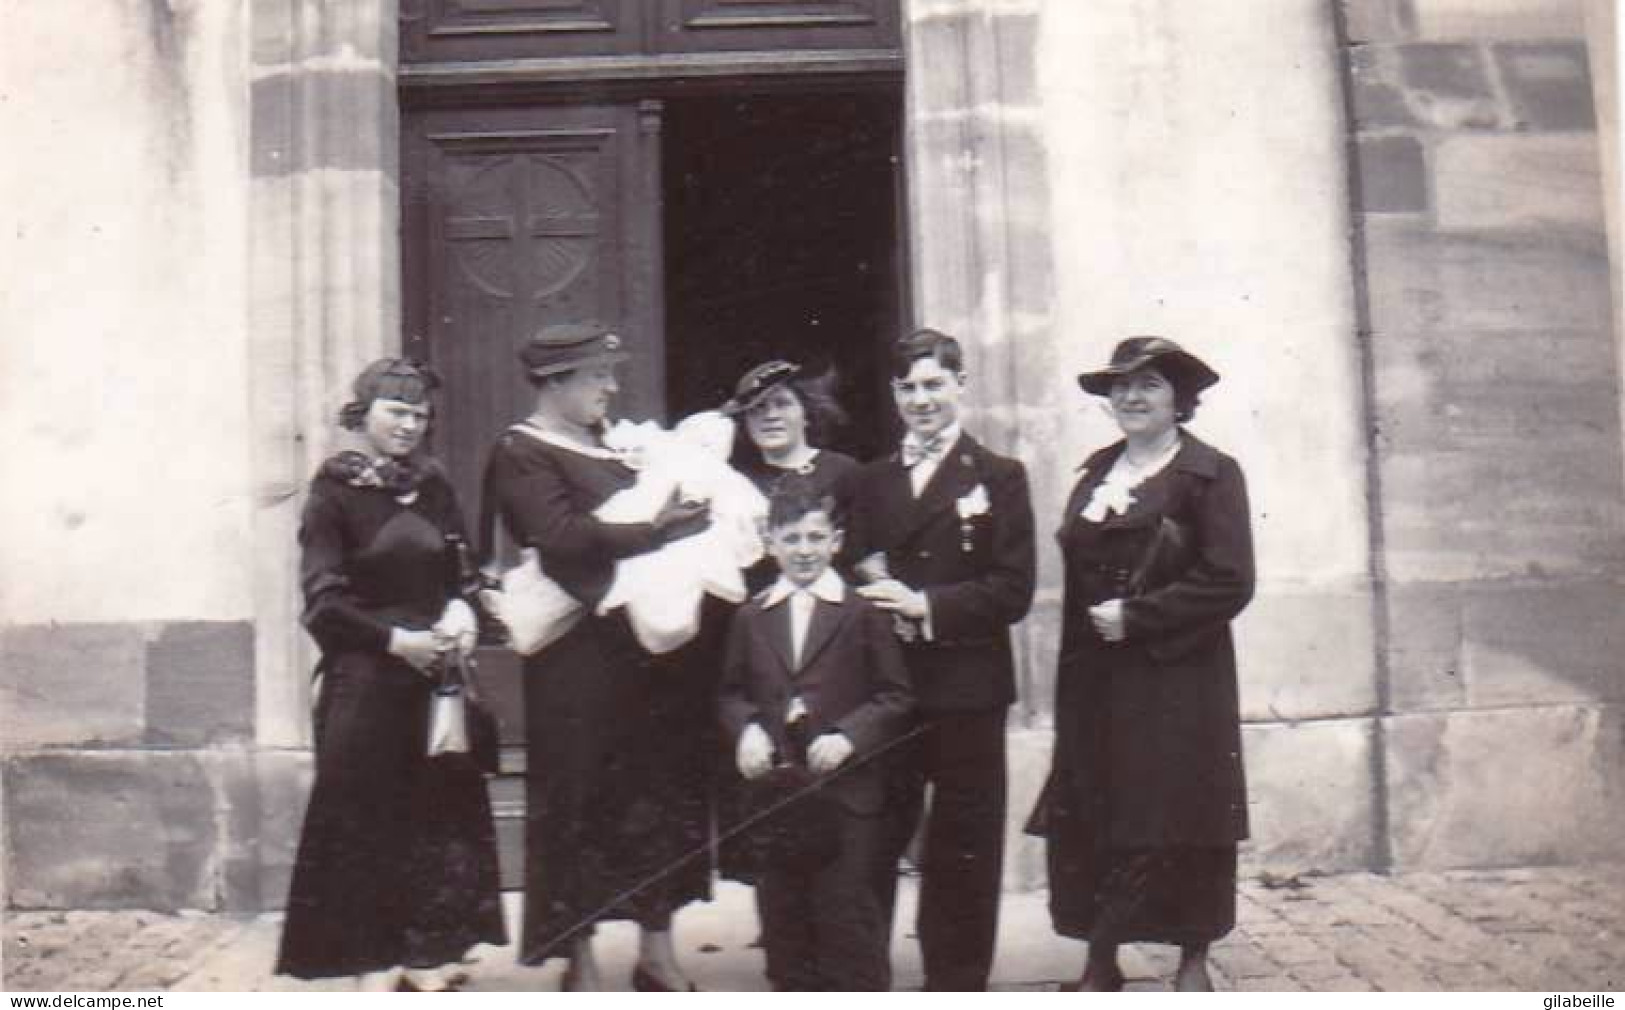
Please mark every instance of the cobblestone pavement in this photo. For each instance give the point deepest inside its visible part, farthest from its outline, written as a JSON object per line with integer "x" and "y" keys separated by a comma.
{"x": 1552, "y": 929}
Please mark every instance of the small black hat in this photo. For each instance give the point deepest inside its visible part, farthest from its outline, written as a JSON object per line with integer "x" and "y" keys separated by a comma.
{"x": 562, "y": 347}
{"x": 1188, "y": 373}
{"x": 757, "y": 383}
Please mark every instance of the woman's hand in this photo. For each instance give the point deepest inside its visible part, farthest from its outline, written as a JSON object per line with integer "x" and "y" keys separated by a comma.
{"x": 458, "y": 630}
{"x": 419, "y": 649}
{"x": 1108, "y": 619}
{"x": 678, "y": 518}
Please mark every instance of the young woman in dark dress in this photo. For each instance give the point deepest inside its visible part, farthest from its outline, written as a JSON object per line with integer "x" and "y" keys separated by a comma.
{"x": 787, "y": 417}
{"x": 1146, "y": 799}
{"x": 397, "y": 868}
{"x": 620, "y": 742}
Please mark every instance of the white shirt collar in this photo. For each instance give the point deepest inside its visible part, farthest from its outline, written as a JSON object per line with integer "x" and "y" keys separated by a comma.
{"x": 948, "y": 438}
{"x": 827, "y": 587}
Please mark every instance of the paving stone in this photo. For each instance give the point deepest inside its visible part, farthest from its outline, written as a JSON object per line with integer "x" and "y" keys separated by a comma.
{"x": 1428, "y": 943}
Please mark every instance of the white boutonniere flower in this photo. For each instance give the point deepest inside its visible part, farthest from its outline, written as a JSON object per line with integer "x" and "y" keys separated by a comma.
{"x": 970, "y": 505}
{"x": 973, "y": 503}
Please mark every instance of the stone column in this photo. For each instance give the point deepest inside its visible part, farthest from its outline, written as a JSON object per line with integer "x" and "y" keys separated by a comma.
{"x": 1602, "y": 46}
{"x": 325, "y": 298}
{"x": 1199, "y": 186}
{"x": 979, "y": 210}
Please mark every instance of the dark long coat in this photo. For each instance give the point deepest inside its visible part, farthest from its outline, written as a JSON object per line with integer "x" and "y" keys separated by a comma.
{"x": 1148, "y": 734}
{"x": 620, "y": 744}
{"x": 397, "y": 859}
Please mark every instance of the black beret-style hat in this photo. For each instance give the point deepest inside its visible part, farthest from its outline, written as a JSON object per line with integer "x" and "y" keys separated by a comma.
{"x": 1188, "y": 373}
{"x": 757, "y": 383}
{"x": 563, "y": 347}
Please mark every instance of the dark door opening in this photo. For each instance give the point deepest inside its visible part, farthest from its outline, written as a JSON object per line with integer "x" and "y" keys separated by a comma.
{"x": 782, "y": 241}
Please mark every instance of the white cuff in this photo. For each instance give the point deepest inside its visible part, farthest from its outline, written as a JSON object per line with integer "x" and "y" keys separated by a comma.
{"x": 925, "y": 622}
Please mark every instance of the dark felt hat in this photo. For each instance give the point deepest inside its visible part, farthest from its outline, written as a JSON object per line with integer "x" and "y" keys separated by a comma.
{"x": 757, "y": 383}
{"x": 563, "y": 347}
{"x": 1188, "y": 373}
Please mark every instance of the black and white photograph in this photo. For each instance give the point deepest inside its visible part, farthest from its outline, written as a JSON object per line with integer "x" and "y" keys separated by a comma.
{"x": 812, "y": 495}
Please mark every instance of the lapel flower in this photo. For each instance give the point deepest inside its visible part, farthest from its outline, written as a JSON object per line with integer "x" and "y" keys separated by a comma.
{"x": 1110, "y": 498}
{"x": 973, "y": 503}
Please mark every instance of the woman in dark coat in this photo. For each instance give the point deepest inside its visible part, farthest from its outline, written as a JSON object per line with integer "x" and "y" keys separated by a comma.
{"x": 1146, "y": 799}
{"x": 620, "y": 742}
{"x": 397, "y": 867}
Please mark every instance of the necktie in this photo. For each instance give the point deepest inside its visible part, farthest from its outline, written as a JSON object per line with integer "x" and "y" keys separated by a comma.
{"x": 801, "y": 607}
{"x": 915, "y": 452}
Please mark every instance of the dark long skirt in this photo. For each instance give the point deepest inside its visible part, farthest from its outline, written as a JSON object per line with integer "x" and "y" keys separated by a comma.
{"x": 1181, "y": 894}
{"x": 622, "y": 750}
{"x": 397, "y": 862}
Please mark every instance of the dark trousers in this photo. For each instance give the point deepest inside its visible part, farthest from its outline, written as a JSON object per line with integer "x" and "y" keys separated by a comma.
{"x": 961, "y": 756}
{"x": 823, "y": 928}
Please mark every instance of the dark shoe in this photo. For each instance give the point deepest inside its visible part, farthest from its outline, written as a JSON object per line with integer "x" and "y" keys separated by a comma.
{"x": 643, "y": 981}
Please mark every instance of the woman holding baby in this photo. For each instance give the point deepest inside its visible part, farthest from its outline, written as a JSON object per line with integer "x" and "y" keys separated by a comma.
{"x": 619, "y": 741}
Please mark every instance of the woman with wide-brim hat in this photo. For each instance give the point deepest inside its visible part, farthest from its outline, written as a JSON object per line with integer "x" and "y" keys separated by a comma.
{"x": 1146, "y": 798}
{"x": 396, "y": 877}
{"x": 619, "y": 742}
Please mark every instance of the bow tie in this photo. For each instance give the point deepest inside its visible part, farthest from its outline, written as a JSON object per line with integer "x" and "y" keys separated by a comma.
{"x": 914, "y": 452}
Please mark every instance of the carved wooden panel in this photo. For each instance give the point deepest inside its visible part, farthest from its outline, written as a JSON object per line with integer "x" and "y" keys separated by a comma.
{"x": 516, "y": 218}
{"x": 767, "y": 25}
{"x": 441, "y": 30}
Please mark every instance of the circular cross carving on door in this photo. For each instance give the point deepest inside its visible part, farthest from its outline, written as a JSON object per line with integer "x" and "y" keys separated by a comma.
{"x": 561, "y": 225}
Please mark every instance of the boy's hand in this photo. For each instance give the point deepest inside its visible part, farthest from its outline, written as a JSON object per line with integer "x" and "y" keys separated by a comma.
{"x": 755, "y": 753}
{"x": 828, "y": 752}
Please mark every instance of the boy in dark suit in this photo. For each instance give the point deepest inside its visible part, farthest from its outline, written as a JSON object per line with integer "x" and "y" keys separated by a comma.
{"x": 942, "y": 534}
{"x": 814, "y": 677}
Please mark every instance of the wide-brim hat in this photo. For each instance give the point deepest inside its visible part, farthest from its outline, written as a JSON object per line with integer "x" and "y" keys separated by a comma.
{"x": 757, "y": 383}
{"x": 564, "y": 347}
{"x": 1188, "y": 373}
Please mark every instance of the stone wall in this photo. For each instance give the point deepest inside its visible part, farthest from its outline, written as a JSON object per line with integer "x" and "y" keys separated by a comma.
{"x": 127, "y": 666}
{"x": 1495, "y": 430}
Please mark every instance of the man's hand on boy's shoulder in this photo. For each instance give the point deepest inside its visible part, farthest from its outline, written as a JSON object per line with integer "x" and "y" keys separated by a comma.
{"x": 828, "y": 752}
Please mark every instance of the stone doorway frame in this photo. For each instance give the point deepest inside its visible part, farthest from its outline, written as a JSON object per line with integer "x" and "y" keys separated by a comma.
{"x": 324, "y": 143}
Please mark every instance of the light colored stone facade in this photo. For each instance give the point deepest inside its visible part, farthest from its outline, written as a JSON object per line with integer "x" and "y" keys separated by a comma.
{"x": 1381, "y": 220}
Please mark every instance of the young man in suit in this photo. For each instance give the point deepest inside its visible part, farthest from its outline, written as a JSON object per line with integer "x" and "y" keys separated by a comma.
{"x": 942, "y": 534}
{"x": 814, "y": 678}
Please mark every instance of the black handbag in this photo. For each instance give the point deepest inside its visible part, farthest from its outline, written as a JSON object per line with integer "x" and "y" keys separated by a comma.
{"x": 1166, "y": 558}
